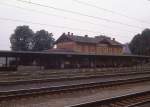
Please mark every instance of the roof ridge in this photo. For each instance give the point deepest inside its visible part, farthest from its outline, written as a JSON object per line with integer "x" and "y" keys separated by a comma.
{"x": 87, "y": 39}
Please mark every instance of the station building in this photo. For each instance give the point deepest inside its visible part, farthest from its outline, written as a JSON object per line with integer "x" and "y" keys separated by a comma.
{"x": 92, "y": 45}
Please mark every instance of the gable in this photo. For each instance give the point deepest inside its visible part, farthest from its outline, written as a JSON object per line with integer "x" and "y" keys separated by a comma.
{"x": 63, "y": 38}
{"x": 104, "y": 41}
{"x": 110, "y": 42}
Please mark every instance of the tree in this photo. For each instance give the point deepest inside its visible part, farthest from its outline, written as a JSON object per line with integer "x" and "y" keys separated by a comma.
{"x": 43, "y": 40}
{"x": 21, "y": 38}
{"x": 140, "y": 43}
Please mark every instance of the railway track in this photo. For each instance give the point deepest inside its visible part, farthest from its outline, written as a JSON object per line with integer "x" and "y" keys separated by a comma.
{"x": 115, "y": 102}
{"x": 73, "y": 87}
{"x": 73, "y": 77}
{"x": 144, "y": 104}
{"x": 132, "y": 100}
{"x": 22, "y": 76}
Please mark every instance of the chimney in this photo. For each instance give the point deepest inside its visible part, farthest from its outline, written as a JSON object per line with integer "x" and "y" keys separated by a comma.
{"x": 63, "y": 33}
{"x": 86, "y": 36}
{"x": 51, "y": 34}
{"x": 71, "y": 34}
{"x": 68, "y": 33}
{"x": 113, "y": 39}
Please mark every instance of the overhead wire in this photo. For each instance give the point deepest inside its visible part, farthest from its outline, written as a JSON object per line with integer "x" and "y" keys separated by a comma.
{"x": 111, "y": 11}
{"x": 81, "y": 14}
{"x": 51, "y": 25}
{"x": 64, "y": 17}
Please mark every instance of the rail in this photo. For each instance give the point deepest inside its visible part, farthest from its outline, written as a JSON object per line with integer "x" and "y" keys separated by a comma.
{"x": 37, "y": 75}
{"x": 79, "y": 86}
{"x": 121, "y": 101}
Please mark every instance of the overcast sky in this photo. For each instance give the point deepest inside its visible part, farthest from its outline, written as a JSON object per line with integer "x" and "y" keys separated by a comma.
{"x": 133, "y": 16}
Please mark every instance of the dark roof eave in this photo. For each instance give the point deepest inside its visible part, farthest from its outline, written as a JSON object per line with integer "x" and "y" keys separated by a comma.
{"x": 14, "y": 53}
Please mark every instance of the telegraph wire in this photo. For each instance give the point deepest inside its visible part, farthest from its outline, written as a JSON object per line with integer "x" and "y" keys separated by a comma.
{"x": 51, "y": 25}
{"x": 44, "y": 24}
{"x": 111, "y": 11}
{"x": 81, "y": 14}
{"x": 55, "y": 15}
